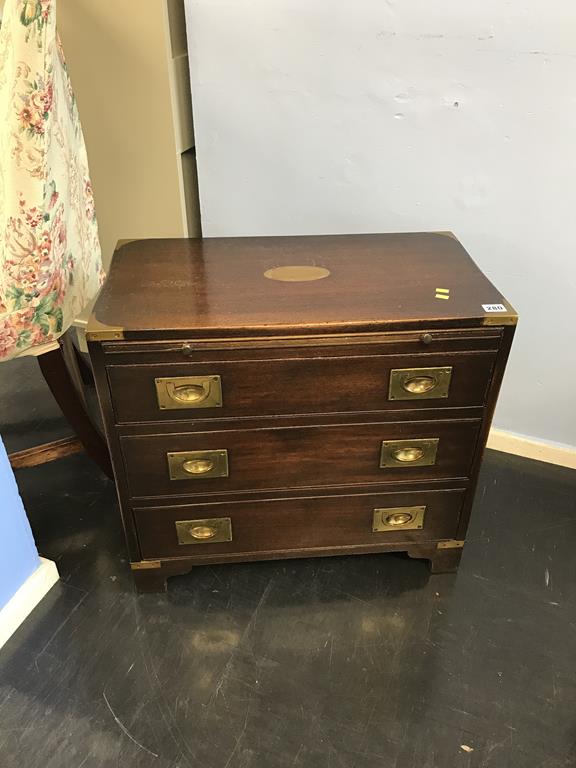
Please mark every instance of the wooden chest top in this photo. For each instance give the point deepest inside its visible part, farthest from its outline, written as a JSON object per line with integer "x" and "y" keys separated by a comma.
{"x": 257, "y": 286}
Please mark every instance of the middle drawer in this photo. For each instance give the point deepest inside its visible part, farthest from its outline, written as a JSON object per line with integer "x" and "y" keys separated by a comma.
{"x": 228, "y": 461}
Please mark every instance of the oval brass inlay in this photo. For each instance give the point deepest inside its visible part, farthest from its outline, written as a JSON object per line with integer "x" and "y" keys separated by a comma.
{"x": 296, "y": 274}
{"x": 203, "y": 532}
{"x": 197, "y": 466}
{"x": 408, "y": 454}
{"x": 400, "y": 518}
{"x": 189, "y": 393}
{"x": 419, "y": 385}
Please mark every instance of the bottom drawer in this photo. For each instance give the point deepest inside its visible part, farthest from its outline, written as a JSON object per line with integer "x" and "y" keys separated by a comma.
{"x": 297, "y": 524}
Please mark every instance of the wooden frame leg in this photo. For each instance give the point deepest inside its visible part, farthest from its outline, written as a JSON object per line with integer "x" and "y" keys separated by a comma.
{"x": 83, "y": 368}
{"x": 149, "y": 580}
{"x": 151, "y": 576}
{"x": 445, "y": 560}
{"x": 59, "y": 379}
{"x": 442, "y": 559}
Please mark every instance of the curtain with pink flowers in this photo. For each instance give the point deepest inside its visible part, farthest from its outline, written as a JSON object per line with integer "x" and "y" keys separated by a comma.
{"x": 50, "y": 261}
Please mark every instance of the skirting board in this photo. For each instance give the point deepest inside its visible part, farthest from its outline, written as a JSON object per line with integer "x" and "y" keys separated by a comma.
{"x": 529, "y": 448}
{"x": 27, "y": 598}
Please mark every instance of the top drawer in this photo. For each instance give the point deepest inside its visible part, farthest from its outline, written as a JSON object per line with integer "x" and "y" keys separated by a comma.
{"x": 240, "y": 380}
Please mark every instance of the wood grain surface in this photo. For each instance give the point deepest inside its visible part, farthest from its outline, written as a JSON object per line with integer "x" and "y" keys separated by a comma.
{"x": 211, "y": 287}
{"x": 306, "y": 385}
{"x": 305, "y": 369}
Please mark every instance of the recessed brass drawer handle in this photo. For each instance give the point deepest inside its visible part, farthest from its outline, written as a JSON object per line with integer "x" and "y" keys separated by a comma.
{"x": 189, "y": 392}
{"x": 419, "y": 383}
{"x": 408, "y": 454}
{"x": 197, "y": 465}
{"x": 203, "y": 532}
{"x": 398, "y": 518}
{"x": 207, "y": 531}
{"x": 419, "y": 452}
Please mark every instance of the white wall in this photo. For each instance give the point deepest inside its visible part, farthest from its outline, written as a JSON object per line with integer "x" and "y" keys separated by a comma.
{"x": 317, "y": 116}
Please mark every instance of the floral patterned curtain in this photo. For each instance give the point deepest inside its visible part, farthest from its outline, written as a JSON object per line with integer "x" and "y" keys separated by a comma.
{"x": 50, "y": 261}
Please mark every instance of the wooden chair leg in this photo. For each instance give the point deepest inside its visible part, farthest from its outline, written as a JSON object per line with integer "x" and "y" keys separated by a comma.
{"x": 59, "y": 379}
{"x": 70, "y": 358}
{"x": 84, "y": 369}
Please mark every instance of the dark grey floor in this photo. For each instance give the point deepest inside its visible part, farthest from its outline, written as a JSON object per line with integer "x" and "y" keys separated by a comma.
{"x": 333, "y": 663}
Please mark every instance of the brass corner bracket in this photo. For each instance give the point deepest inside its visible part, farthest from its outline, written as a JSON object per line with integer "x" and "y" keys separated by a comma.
{"x": 145, "y": 565}
{"x": 450, "y": 544}
{"x": 105, "y": 334}
{"x": 497, "y": 319}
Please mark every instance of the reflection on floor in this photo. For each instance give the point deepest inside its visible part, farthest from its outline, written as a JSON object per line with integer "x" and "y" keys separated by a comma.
{"x": 331, "y": 663}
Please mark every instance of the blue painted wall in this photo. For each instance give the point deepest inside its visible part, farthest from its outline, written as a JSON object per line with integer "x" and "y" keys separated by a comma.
{"x": 18, "y": 555}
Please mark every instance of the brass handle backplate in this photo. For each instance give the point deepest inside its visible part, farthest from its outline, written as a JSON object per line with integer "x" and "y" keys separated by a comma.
{"x": 206, "y": 531}
{"x": 398, "y": 519}
{"x": 420, "y": 452}
{"x": 189, "y": 392}
{"x": 419, "y": 383}
{"x": 196, "y": 465}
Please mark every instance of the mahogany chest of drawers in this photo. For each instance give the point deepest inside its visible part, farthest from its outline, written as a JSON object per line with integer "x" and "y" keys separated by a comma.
{"x": 296, "y": 396}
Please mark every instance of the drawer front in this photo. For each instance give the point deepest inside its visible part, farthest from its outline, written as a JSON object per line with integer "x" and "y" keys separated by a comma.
{"x": 222, "y": 389}
{"x": 297, "y": 524}
{"x": 298, "y": 457}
